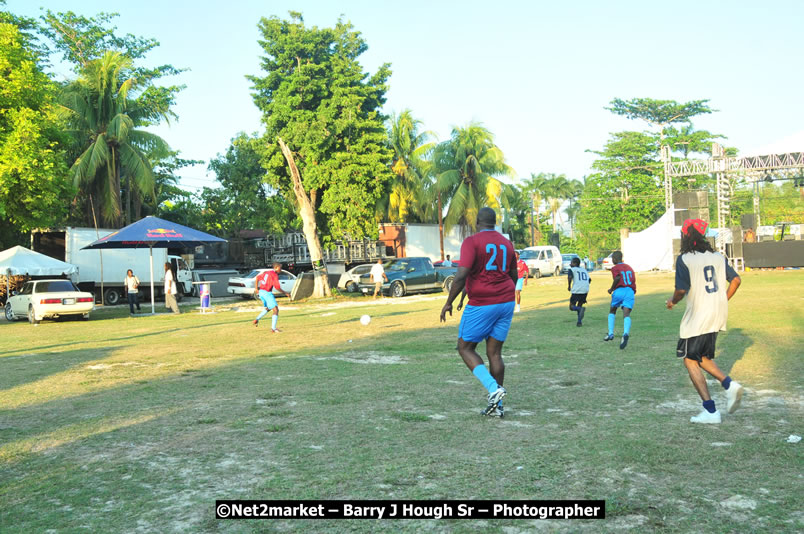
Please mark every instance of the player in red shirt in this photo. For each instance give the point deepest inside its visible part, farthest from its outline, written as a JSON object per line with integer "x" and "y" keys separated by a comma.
{"x": 265, "y": 284}
{"x": 622, "y": 291}
{"x": 488, "y": 271}
{"x": 522, "y": 275}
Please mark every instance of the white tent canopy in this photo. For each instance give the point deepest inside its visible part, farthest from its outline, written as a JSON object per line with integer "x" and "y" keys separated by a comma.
{"x": 651, "y": 248}
{"x": 20, "y": 260}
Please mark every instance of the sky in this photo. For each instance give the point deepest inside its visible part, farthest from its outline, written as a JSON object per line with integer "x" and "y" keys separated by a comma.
{"x": 537, "y": 74}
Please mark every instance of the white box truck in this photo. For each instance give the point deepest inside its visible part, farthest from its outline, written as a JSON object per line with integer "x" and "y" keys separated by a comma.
{"x": 65, "y": 244}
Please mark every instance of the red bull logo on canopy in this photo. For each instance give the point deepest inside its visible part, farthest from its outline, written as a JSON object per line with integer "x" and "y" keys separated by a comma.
{"x": 163, "y": 232}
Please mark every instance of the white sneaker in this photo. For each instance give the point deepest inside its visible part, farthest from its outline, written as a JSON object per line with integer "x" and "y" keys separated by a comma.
{"x": 516, "y": 309}
{"x": 733, "y": 396}
{"x": 706, "y": 417}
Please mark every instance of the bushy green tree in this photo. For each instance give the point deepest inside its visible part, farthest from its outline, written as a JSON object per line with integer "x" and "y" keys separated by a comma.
{"x": 34, "y": 190}
{"x": 325, "y": 143}
{"x": 626, "y": 190}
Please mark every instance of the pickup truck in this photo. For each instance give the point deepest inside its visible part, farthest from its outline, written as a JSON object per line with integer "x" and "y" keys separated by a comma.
{"x": 409, "y": 275}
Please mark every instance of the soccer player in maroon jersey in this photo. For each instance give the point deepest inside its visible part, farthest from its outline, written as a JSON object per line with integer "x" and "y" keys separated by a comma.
{"x": 488, "y": 271}
{"x": 265, "y": 283}
{"x": 622, "y": 291}
{"x": 522, "y": 274}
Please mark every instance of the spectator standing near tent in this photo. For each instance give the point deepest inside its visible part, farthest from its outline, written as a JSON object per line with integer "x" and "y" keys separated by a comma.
{"x": 132, "y": 291}
{"x": 170, "y": 290}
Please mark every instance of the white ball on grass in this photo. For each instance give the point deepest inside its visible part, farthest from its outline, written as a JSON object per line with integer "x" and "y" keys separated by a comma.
{"x": 365, "y": 320}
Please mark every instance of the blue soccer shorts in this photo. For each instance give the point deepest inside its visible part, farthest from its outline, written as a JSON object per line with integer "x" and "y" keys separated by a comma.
{"x": 481, "y": 322}
{"x": 268, "y": 299}
{"x": 623, "y": 296}
{"x": 519, "y": 284}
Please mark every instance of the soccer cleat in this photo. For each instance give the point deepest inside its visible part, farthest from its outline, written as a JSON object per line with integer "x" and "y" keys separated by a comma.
{"x": 579, "y": 324}
{"x": 494, "y": 397}
{"x": 608, "y": 337}
{"x": 516, "y": 309}
{"x": 733, "y": 396}
{"x": 624, "y": 342}
{"x": 256, "y": 322}
{"x": 276, "y": 331}
{"x": 496, "y": 412}
{"x": 706, "y": 418}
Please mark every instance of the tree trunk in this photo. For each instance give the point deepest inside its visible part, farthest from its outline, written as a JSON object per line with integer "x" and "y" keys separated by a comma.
{"x": 440, "y": 226}
{"x": 118, "y": 219}
{"x": 532, "y": 233}
{"x": 307, "y": 213}
{"x": 128, "y": 198}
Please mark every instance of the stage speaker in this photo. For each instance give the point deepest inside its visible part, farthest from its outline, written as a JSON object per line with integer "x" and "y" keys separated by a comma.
{"x": 748, "y": 220}
{"x": 691, "y": 199}
{"x": 737, "y": 240}
{"x": 680, "y": 216}
{"x": 700, "y": 213}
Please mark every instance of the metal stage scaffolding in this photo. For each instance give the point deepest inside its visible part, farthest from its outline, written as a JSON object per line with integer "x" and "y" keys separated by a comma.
{"x": 754, "y": 169}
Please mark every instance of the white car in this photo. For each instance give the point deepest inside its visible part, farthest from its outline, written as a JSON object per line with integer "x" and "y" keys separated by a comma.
{"x": 40, "y": 299}
{"x": 244, "y": 285}
{"x": 608, "y": 263}
{"x": 351, "y": 278}
{"x": 542, "y": 260}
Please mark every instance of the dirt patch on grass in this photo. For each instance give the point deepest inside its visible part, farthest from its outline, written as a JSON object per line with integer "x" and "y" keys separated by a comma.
{"x": 367, "y": 357}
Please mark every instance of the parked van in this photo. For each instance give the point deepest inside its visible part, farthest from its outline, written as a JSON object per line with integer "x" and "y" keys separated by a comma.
{"x": 542, "y": 260}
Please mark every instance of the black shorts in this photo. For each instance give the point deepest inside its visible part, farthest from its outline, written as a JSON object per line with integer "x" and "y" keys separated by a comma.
{"x": 578, "y": 299}
{"x": 698, "y": 347}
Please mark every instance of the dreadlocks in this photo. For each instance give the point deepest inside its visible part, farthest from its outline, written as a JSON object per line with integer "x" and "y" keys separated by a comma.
{"x": 693, "y": 241}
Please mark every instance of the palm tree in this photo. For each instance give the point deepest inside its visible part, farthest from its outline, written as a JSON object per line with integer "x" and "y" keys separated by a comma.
{"x": 514, "y": 220}
{"x": 534, "y": 186}
{"x": 466, "y": 167}
{"x": 576, "y": 188}
{"x": 410, "y": 166}
{"x": 99, "y": 111}
{"x": 557, "y": 190}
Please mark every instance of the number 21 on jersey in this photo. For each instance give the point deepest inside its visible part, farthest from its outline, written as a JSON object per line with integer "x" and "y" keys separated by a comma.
{"x": 492, "y": 248}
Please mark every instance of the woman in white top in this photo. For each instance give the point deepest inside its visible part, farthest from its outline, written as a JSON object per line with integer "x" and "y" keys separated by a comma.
{"x": 132, "y": 283}
{"x": 170, "y": 290}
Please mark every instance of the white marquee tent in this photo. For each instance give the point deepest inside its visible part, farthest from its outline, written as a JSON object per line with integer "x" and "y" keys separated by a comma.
{"x": 20, "y": 261}
{"x": 652, "y": 248}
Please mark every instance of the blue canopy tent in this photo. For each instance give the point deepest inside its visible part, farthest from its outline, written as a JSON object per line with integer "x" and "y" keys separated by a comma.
{"x": 153, "y": 232}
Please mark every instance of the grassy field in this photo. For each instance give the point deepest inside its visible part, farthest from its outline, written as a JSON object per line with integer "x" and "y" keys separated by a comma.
{"x": 138, "y": 424}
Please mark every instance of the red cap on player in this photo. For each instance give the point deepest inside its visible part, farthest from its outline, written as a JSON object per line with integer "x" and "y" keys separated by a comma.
{"x": 699, "y": 225}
